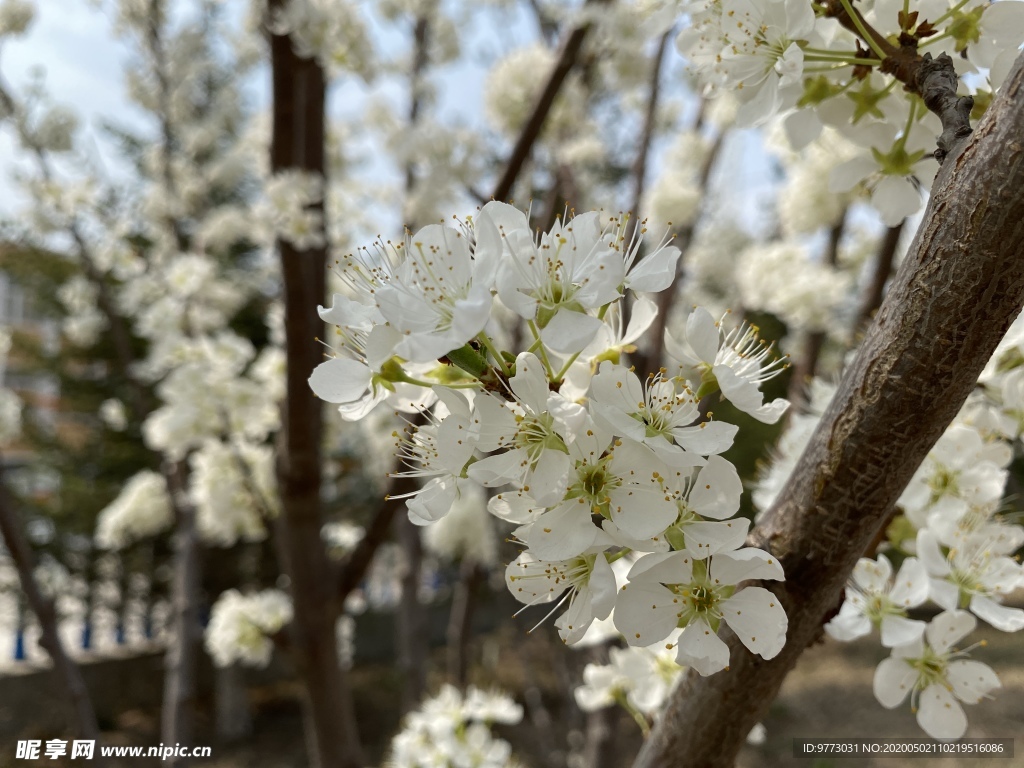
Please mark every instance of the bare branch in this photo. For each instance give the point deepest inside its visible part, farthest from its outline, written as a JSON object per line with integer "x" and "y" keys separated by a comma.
{"x": 567, "y": 56}
{"x": 83, "y": 716}
{"x": 880, "y": 276}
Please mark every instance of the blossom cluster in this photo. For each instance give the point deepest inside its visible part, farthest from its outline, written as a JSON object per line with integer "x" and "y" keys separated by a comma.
{"x": 241, "y": 626}
{"x": 793, "y": 58}
{"x": 594, "y": 465}
{"x": 450, "y": 729}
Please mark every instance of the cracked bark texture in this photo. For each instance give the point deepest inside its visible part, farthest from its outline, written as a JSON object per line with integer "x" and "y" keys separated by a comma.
{"x": 956, "y": 293}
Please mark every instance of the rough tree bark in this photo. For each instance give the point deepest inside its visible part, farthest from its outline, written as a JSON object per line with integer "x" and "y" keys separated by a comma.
{"x": 177, "y": 716}
{"x": 954, "y": 296}
{"x": 82, "y": 716}
{"x": 298, "y": 142}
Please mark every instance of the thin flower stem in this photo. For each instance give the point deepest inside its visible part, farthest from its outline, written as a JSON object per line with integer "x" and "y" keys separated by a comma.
{"x": 831, "y": 52}
{"x": 949, "y": 13}
{"x": 902, "y": 142}
{"x": 489, "y": 346}
{"x": 431, "y": 384}
{"x": 935, "y": 39}
{"x": 849, "y": 62}
{"x": 859, "y": 22}
{"x": 543, "y": 352}
{"x": 830, "y": 68}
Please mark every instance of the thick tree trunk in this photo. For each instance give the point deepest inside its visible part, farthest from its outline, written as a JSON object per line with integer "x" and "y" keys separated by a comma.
{"x": 411, "y": 619}
{"x": 82, "y": 716}
{"x": 180, "y": 685}
{"x": 298, "y": 142}
{"x": 956, "y": 293}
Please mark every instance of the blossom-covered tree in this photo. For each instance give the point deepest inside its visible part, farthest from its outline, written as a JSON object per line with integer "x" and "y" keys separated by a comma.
{"x": 584, "y": 379}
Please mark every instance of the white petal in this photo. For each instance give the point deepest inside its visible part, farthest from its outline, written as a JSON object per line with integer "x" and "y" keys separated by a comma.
{"x": 564, "y": 532}
{"x": 711, "y": 437}
{"x": 702, "y": 649}
{"x": 717, "y": 490}
{"x": 645, "y": 613}
{"x": 498, "y": 469}
{"x": 898, "y": 630}
{"x": 999, "y": 616}
{"x": 340, "y": 380}
{"x": 708, "y": 538}
{"x": 550, "y": 478}
{"x": 569, "y": 332}
{"x": 894, "y": 679}
{"x": 910, "y": 587}
{"x": 849, "y": 624}
{"x": 948, "y": 628}
{"x": 758, "y": 619}
{"x": 663, "y": 567}
{"x": 655, "y": 272}
{"x": 642, "y": 511}
{"x": 940, "y": 714}
{"x": 895, "y": 198}
{"x": 617, "y": 387}
{"x": 848, "y": 175}
{"x": 930, "y": 555}
{"x": 743, "y": 564}
{"x": 530, "y": 384}
{"x": 971, "y": 680}
{"x": 944, "y": 594}
{"x": 702, "y": 334}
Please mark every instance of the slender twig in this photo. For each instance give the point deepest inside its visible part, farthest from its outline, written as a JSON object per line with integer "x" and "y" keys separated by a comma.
{"x": 807, "y": 364}
{"x": 567, "y": 56}
{"x": 83, "y": 718}
{"x": 880, "y": 275}
{"x": 652, "y": 358}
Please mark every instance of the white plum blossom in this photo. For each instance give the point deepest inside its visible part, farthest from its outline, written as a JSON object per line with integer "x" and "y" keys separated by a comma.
{"x": 751, "y": 47}
{"x": 972, "y": 576}
{"x": 143, "y": 508}
{"x": 657, "y": 416}
{"x": 241, "y": 626}
{"x": 440, "y": 296}
{"x": 234, "y": 490}
{"x": 640, "y": 678}
{"x": 875, "y": 598}
{"x": 733, "y": 362}
{"x": 535, "y": 438}
{"x": 450, "y": 729}
{"x": 439, "y": 451}
{"x": 575, "y": 268}
{"x": 936, "y": 676}
{"x": 586, "y": 582}
{"x": 674, "y": 591}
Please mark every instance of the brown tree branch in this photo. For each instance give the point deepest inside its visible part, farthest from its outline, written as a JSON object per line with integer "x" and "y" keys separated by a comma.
{"x": 567, "y": 55}
{"x": 879, "y": 276}
{"x": 651, "y": 359}
{"x": 82, "y": 716}
{"x": 934, "y": 80}
{"x": 639, "y": 169}
{"x": 807, "y": 365}
{"x": 955, "y": 295}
